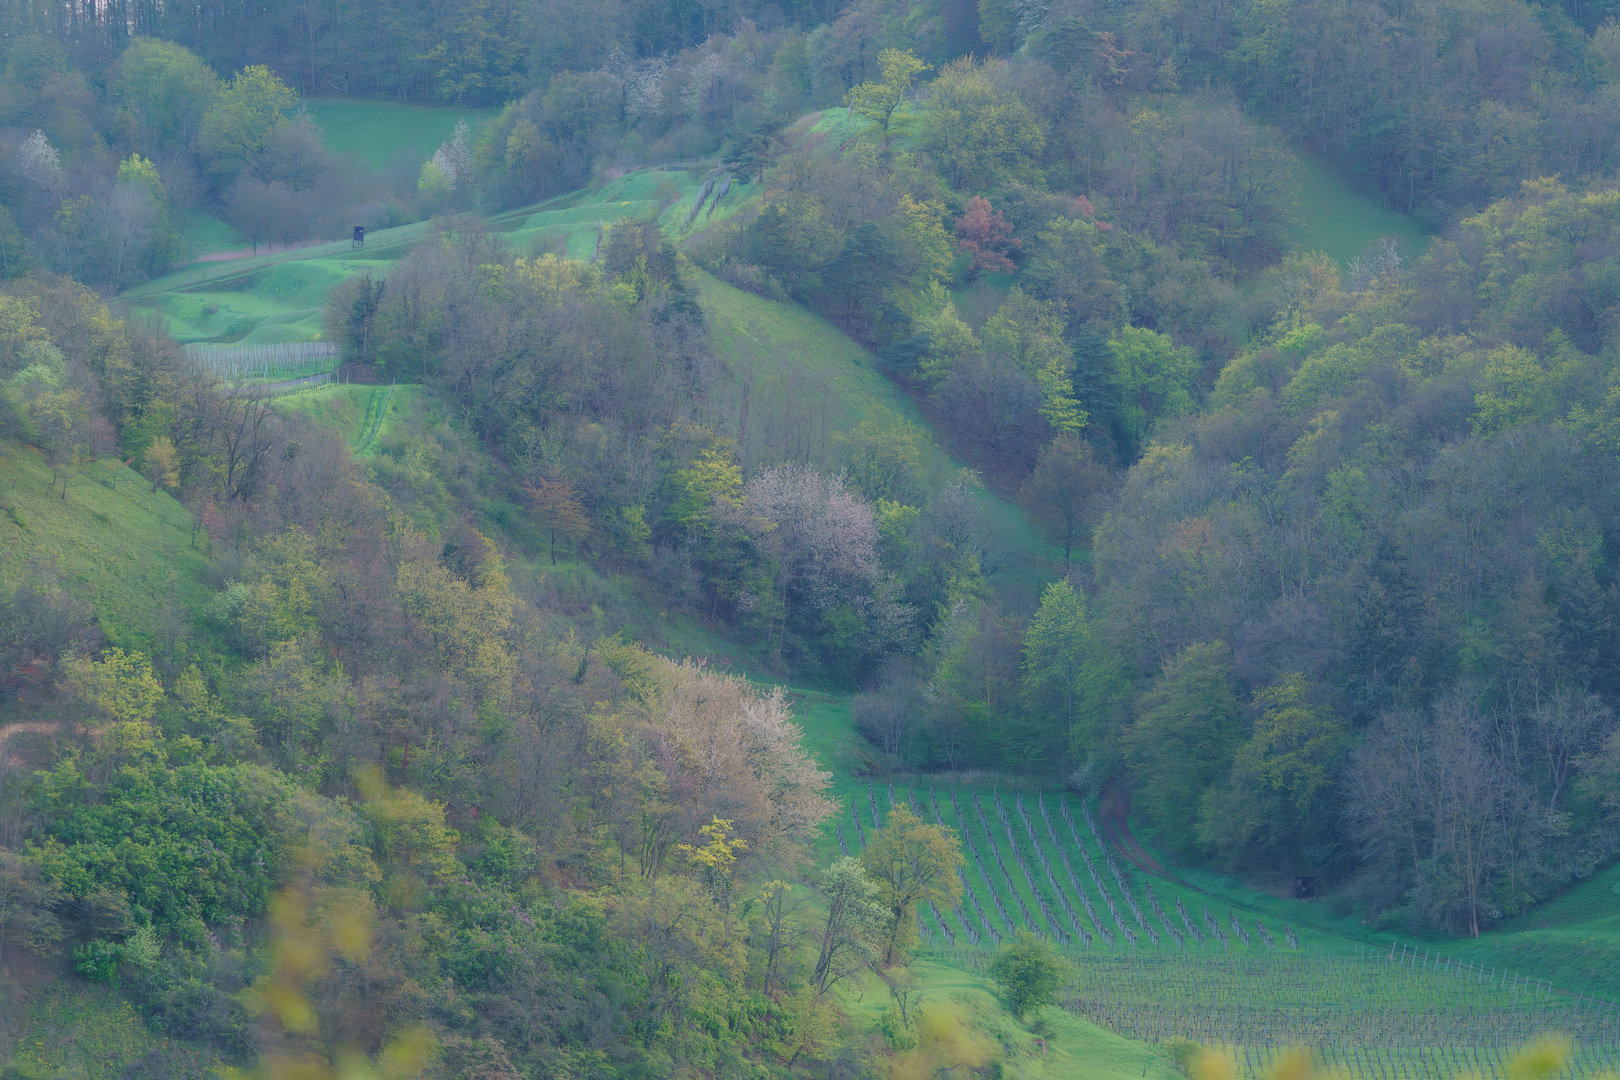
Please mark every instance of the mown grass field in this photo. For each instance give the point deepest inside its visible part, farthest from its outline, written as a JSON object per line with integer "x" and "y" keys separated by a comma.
{"x": 1335, "y": 217}
{"x": 279, "y": 296}
{"x": 378, "y": 131}
{"x": 264, "y": 302}
{"x": 206, "y": 234}
{"x": 571, "y": 224}
{"x": 364, "y": 414}
{"x": 117, "y": 544}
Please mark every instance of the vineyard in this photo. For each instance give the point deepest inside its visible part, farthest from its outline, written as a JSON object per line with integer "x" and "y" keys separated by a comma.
{"x": 272, "y": 362}
{"x": 1152, "y": 961}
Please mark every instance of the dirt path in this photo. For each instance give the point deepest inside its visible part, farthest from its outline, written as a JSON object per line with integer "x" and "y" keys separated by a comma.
{"x": 254, "y": 253}
{"x": 24, "y": 727}
{"x": 1114, "y": 808}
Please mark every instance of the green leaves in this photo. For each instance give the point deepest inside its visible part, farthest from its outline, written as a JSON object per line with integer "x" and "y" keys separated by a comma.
{"x": 981, "y": 134}
{"x": 1186, "y": 729}
{"x": 1055, "y": 646}
{"x": 1155, "y": 378}
{"x": 1271, "y": 802}
{"x": 1030, "y": 971}
{"x": 189, "y": 845}
{"x": 242, "y": 118}
{"x": 168, "y": 87}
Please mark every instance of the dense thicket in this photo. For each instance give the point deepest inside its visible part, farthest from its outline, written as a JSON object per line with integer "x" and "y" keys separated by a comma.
{"x": 1397, "y": 512}
{"x": 378, "y": 784}
{"x": 600, "y": 390}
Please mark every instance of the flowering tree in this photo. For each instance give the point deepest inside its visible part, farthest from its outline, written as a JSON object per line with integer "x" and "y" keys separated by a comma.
{"x": 823, "y": 541}
{"x": 38, "y": 160}
{"x": 824, "y": 534}
{"x": 732, "y": 753}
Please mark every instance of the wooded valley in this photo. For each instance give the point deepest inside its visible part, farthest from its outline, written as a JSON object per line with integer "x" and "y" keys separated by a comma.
{"x": 592, "y": 538}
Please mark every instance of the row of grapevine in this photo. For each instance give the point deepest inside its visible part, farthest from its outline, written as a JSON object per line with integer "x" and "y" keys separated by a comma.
{"x": 968, "y": 896}
{"x": 266, "y": 362}
{"x": 1119, "y": 879}
{"x": 1006, "y": 878}
{"x": 1046, "y": 903}
{"x": 1394, "y": 1014}
{"x": 1085, "y": 901}
{"x": 1051, "y": 878}
{"x": 1029, "y": 879}
{"x": 1096, "y": 879}
{"x": 1153, "y": 902}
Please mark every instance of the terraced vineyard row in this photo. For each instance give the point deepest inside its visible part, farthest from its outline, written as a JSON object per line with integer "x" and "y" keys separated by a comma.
{"x": 1153, "y": 962}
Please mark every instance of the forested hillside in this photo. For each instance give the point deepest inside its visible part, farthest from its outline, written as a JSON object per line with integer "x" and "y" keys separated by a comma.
{"x": 479, "y": 653}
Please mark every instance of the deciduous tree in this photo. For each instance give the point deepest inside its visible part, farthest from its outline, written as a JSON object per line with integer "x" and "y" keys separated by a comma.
{"x": 854, "y": 930}
{"x": 242, "y": 118}
{"x": 912, "y": 863}
{"x": 875, "y": 101}
{"x": 1274, "y": 799}
{"x": 556, "y": 506}
{"x": 1187, "y": 727}
{"x": 1062, "y": 491}
{"x": 168, "y": 87}
{"x": 162, "y": 464}
{"x": 987, "y": 236}
{"x": 1055, "y": 647}
{"x": 1030, "y": 972}
{"x": 980, "y": 133}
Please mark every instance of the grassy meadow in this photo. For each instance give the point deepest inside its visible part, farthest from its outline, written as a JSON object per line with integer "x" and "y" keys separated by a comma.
{"x": 71, "y": 1030}
{"x": 1333, "y": 216}
{"x": 378, "y": 132}
{"x": 120, "y": 546}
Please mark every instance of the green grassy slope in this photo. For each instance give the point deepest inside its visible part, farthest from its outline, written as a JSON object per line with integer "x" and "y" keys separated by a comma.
{"x": 80, "y": 1031}
{"x": 206, "y": 234}
{"x": 1073, "y": 1047}
{"x": 571, "y": 223}
{"x": 266, "y": 301}
{"x": 277, "y": 296}
{"x": 119, "y": 545}
{"x": 1336, "y": 218}
{"x": 376, "y": 131}
{"x": 815, "y": 376}
{"x": 1574, "y": 940}
{"x": 363, "y": 414}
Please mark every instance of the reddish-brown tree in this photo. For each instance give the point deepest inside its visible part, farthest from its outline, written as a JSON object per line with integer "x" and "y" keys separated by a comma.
{"x": 987, "y": 236}
{"x": 556, "y": 506}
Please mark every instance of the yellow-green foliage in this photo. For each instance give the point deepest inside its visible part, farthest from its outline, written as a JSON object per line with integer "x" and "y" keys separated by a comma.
{"x": 120, "y": 545}
{"x": 946, "y": 1038}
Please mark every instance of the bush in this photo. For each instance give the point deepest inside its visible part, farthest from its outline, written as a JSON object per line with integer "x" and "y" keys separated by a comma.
{"x": 192, "y": 1005}
{"x": 1030, "y": 971}
{"x": 1183, "y": 1053}
{"x": 97, "y": 961}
